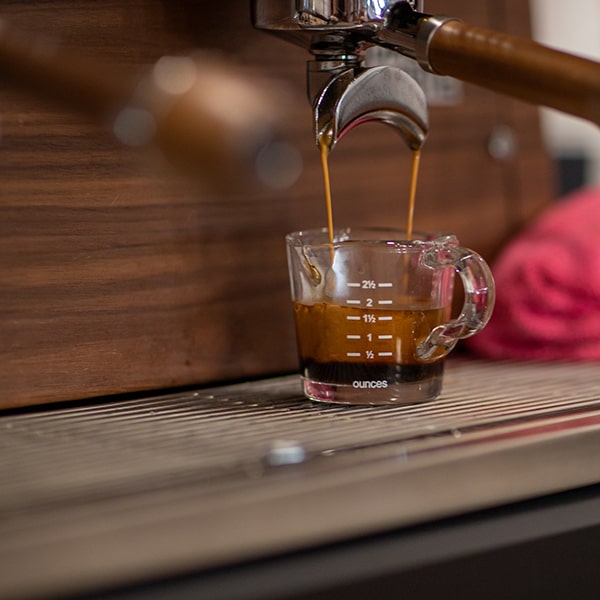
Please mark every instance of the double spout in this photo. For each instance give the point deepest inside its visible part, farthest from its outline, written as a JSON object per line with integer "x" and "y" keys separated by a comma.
{"x": 358, "y": 95}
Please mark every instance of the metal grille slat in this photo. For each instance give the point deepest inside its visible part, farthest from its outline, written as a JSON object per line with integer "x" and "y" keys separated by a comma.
{"x": 182, "y": 435}
{"x": 70, "y": 474}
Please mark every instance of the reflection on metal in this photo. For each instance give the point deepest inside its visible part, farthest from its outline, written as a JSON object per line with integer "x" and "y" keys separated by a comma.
{"x": 384, "y": 94}
{"x": 439, "y": 90}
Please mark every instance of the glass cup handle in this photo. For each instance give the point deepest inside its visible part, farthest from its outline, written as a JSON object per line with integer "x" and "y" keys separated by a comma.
{"x": 480, "y": 294}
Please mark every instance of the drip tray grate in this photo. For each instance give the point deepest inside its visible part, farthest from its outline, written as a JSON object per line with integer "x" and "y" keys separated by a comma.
{"x": 114, "y": 491}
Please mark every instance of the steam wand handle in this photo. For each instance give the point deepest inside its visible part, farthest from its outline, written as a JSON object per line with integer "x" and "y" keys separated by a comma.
{"x": 507, "y": 64}
{"x": 520, "y": 68}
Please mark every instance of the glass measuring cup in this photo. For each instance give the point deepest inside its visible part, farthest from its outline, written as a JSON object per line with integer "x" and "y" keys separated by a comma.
{"x": 372, "y": 311}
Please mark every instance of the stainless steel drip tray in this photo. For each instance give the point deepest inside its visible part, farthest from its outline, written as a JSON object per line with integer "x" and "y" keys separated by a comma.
{"x": 109, "y": 493}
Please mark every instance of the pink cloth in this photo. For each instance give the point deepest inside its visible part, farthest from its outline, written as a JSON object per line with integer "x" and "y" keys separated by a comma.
{"x": 548, "y": 287}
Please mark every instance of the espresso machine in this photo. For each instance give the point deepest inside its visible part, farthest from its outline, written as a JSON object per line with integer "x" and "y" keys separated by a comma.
{"x": 154, "y": 439}
{"x": 343, "y": 93}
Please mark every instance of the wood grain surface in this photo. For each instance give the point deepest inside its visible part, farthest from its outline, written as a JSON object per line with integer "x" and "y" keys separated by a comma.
{"x": 118, "y": 275}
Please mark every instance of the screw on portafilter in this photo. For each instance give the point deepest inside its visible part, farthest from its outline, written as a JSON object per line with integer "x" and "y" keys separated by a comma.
{"x": 338, "y": 33}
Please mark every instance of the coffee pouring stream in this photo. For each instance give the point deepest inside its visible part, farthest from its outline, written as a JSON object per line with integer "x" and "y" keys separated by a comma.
{"x": 343, "y": 94}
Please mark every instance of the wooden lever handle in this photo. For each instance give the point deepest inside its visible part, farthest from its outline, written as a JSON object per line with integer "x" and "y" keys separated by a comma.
{"x": 219, "y": 122}
{"x": 520, "y": 68}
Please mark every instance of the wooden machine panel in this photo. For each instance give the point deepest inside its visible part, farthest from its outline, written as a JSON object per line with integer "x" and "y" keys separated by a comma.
{"x": 118, "y": 276}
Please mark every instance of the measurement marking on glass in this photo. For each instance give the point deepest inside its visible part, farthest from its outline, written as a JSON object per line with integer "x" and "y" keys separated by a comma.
{"x": 385, "y": 337}
{"x": 353, "y": 317}
{"x": 353, "y": 354}
{"x": 351, "y": 336}
{"x": 382, "y": 302}
{"x": 353, "y": 284}
{"x": 385, "y": 284}
{"x": 386, "y": 318}
{"x": 385, "y": 354}
{"x": 352, "y": 301}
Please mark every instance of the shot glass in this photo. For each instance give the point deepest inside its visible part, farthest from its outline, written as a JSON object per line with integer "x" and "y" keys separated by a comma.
{"x": 373, "y": 311}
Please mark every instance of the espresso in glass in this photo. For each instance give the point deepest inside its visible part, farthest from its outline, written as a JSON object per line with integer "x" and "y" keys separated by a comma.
{"x": 372, "y": 311}
{"x": 366, "y": 348}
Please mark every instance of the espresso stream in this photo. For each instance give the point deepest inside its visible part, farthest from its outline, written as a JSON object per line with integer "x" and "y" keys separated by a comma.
{"x": 324, "y": 147}
{"x": 342, "y": 344}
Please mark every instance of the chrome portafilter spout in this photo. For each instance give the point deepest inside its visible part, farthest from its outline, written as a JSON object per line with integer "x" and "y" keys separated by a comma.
{"x": 342, "y": 92}
{"x": 356, "y": 95}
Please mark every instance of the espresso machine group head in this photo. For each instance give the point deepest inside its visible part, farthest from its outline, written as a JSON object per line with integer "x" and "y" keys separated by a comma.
{"x": 343, "y": 93}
